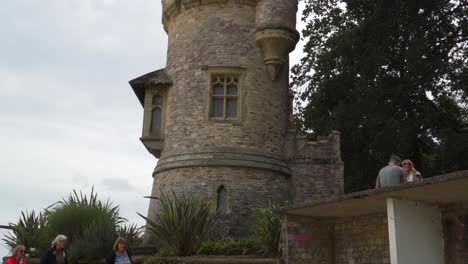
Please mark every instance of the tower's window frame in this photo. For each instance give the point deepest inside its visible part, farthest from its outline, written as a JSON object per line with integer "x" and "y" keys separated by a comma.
{"x": 157, "y": 103}
{"x": 150, "y": 129}
{"x": 225, "y": 94}
{"x": 222, "y": 207}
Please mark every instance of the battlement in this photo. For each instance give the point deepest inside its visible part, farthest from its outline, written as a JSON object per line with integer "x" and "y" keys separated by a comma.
{"x": 316, "y": 166}
{"x": 326, "y": 149}
{"x": 172, "y": 8}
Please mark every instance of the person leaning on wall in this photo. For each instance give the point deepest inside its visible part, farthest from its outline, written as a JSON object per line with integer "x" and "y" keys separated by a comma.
{"x": 120, "y": 254}
{"x": 56, "y": 253}
{"x": 411, "y": 174}
{"x": 17, "y": 257}
{"x": 390, "y": 175}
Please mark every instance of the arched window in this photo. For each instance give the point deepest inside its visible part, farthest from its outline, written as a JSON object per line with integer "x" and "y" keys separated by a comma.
{"x": 221, "y": 202}
{"x": 156, "y": 115}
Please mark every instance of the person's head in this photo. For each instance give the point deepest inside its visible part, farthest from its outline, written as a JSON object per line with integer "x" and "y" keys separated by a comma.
{"x": 407, "y": 165}
{"x": 394, "y": 160}
{"x": 59, "y": 242}
{"x": 19, "y": 251}
{"x": 120, "y": 244}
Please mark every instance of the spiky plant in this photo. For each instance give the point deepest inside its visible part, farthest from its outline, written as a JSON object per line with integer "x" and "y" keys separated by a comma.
{"x": 182, "y": 222}
{"x": 132, "y": 233}
{"x": 77, "y": 211}
{"x": 29, "y": 231}
{"x": 268, "y": 230}
{"x": 89, "y": 223}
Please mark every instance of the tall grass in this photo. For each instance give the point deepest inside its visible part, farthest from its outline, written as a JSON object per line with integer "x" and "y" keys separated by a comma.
{"x": 268, "y": 230}
{"x": 182, "y": 222}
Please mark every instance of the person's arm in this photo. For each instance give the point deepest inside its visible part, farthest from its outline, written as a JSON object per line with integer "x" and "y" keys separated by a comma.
{"x": 110, "y": 258}
{"x": 418, "y": 175}
{"x": 129, "y": 254}
{"x": 377, "y": 182}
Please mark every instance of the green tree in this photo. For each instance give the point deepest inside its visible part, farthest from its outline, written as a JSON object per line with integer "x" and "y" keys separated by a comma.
{"x": 392, "y": 76}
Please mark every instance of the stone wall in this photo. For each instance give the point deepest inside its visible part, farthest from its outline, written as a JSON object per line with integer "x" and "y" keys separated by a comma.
{"x": 220, "y": 36}
{"x": 212, "y": 37}
{"x": 246, "y": 188}
{"x": 307, "y": 240}
{"x": 455, "y": 224}
{"x": 316, "y": 168}
{"x": 362, "y": 240}
{"x": 212, "y": 260}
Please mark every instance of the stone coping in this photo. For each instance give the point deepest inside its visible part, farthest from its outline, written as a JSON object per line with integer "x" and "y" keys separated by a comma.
{"x": 441, "y": 189}
{"x": 219, "y": 260}
{"x": 223, "y": 157}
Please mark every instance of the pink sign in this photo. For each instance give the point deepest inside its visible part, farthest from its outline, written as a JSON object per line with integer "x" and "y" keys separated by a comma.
{"x": 302, "y": 237}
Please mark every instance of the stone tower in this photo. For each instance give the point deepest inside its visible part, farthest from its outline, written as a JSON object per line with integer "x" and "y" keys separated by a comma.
{"x": 217, "y": 116}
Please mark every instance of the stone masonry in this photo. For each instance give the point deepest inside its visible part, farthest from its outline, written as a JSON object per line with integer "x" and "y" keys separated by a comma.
{"x": 255, "y": 156}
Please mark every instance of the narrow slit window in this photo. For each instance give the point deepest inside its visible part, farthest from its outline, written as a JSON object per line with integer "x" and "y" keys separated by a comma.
{"x": 156, "y": 115}
{"x": 221, "y": 204}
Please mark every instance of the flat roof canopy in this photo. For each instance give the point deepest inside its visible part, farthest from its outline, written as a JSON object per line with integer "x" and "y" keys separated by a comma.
{"x": 440, "y": 190}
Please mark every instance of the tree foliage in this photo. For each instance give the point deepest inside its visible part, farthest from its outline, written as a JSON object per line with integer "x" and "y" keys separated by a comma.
{"x": 392, "y": 76}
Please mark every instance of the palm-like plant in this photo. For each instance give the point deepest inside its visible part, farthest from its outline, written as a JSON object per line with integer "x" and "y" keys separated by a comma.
{"x": 89, "y": 223}
{"x": 268, "y": 230}
{"x": 182, "y": 222}
{"x": 77, "y": 211}
{"x": 132, "y": 233}
{"x": 29, "y": 231}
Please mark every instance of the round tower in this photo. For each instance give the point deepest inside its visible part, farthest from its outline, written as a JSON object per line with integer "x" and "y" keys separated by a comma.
{"x": 217, "y": 115}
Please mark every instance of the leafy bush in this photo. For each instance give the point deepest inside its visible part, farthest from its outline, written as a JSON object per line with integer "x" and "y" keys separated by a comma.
{"x": 132, "y": 233}
{"x": 97, "y": 239}
{"x": 182, "y": 222}
{"x": 90, "y": 224}
{"x": 268, "y": 230}
{"x": 29, "y": 231}
{"x": 231, "y": 246}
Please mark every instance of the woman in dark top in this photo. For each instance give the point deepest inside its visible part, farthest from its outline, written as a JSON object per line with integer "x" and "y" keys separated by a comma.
{"x": 56, "y": 254}
{"x": 120, "y": 255}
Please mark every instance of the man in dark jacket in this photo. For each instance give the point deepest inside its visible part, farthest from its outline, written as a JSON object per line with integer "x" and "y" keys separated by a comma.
{"x": 56, "y": 254}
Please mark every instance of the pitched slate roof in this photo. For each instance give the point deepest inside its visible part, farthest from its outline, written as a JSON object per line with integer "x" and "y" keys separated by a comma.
{"x": 159, "y": 77}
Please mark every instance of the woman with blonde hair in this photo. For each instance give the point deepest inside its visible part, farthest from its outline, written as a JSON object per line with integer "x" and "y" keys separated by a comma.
{"x": 120, "y": 254}
{"x": 17, "y": 255}
{"x": 411, "y": 174}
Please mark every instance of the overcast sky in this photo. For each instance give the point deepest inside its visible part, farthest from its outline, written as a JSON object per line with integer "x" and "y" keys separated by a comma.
{"x": 68, "y": 118}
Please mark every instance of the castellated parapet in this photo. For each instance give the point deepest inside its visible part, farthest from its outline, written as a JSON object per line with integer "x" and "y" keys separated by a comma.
{"x": 217, "y": 116}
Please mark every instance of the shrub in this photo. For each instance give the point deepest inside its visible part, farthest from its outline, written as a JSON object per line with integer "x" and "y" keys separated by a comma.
{"x": 132, "y": 234}
{"x": 227, "y": 246}
{"x": 182, "y": 222}
{"x": 29, "y": 231}
{"x": 268, "y": 230}
{"x": 97, "y": 239}
{"x": 90, "y": 224}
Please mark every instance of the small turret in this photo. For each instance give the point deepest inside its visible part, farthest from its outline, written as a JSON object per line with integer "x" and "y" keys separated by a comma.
{"x": 276, "y": 32}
